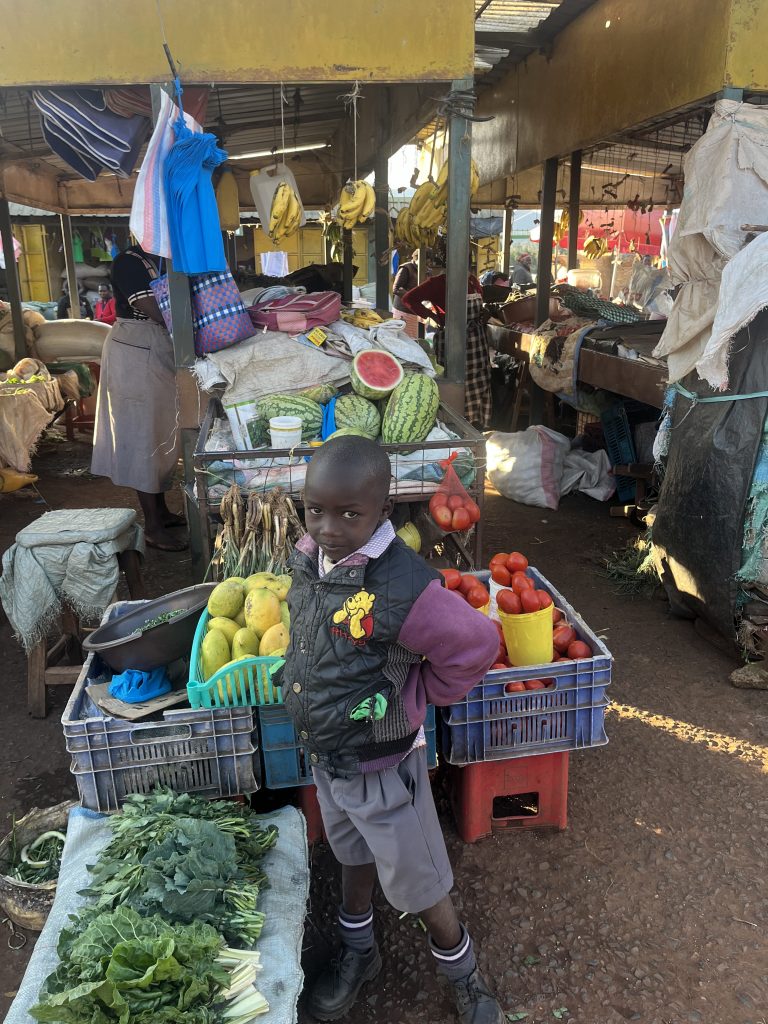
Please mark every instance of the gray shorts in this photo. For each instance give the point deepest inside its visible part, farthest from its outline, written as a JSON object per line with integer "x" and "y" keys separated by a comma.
{"x": 389, "y": 818}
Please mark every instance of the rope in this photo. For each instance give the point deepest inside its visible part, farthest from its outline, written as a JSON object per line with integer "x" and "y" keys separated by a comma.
{"x": 283, "y": 101}
{"x": 698, "y": 399}
{"x": 350, "y": 101}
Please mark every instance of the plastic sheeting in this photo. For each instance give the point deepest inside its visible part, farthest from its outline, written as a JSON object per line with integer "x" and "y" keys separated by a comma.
{"x": 713, "y": 451}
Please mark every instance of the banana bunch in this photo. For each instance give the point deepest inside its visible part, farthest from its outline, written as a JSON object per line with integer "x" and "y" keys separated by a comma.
{"x": 285, "y": 215}
{"x": 561, "y": 227}
{"x": 363, "y": 318}
{"x": 356, "y": 204}
{"x": 441, "y": 187}
{"x": 595, "y": 248}
{"x": 411, "y": 234}
{"x": 425, "y": 214}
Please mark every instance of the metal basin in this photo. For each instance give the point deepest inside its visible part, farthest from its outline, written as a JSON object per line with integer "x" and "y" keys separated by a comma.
{"x": 122, "y": 643}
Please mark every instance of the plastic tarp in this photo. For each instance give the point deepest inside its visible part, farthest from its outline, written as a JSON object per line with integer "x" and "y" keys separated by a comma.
{"x": 726, "y": 186}
{"x": 283, "y": 903}
{"x": 713, "y": 450}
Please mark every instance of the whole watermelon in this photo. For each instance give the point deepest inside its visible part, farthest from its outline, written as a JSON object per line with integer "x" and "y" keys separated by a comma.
{"x": 354, "y": 411}
{"x": 411, "y": 410}
{"x": 320, "y": 393}
{"x": 309, "y": 412}
{"x": 348, "y": 432}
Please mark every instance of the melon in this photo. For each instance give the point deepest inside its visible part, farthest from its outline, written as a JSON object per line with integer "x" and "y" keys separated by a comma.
{"x": 320, "y": 393}
{"x": 348, "y": 432}
{"x": 411, "y": 410}
{"x": 309, "y": 412}
{"x": 375, "y": 374}
{"x": 410, "y": 536}
{"x": 357, "y": 412}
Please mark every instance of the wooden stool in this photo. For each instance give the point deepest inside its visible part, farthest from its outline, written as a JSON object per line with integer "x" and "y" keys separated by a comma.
{"x": 43, "y": 668}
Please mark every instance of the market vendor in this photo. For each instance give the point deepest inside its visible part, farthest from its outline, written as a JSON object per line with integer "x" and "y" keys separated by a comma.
{"x": 477, "y": 369}
{"x": 407, "y": 277}
{"x": 374, "y": 637}
{"x": 136, "y": 440}
{"x": 104, "y": 311}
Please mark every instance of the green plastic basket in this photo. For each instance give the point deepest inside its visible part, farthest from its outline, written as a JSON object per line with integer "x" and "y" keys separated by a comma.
{"x": 246, "y": 683}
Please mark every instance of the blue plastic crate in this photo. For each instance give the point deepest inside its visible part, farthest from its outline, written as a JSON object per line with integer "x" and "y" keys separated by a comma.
{"x": 285, "y": 762}
{"x": 490, "y": 724}
{"x": 620, "y": 447}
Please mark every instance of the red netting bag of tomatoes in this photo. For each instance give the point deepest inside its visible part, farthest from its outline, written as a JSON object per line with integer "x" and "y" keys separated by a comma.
{"x": 450, "y": 506}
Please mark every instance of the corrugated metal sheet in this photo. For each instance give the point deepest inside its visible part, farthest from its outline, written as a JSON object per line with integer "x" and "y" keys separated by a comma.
{"x": 512, "y": 15}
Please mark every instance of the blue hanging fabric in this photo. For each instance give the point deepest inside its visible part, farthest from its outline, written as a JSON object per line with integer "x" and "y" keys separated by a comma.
{"x": 197, "y": 246}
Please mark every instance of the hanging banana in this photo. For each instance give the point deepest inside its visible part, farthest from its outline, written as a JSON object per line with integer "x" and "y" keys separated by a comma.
{"x": 356, "y": 204}
{"x": 285, "y": 214}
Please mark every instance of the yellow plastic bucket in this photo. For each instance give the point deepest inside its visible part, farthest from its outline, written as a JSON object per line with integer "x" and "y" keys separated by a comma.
{"x": 528, "y": 637}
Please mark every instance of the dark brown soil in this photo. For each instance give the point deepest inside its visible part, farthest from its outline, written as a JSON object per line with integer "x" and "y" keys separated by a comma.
{"x": 652, "y": 906}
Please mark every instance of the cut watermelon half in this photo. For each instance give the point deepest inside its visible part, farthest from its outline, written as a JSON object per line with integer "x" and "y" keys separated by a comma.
{"x": 375, "y": 374}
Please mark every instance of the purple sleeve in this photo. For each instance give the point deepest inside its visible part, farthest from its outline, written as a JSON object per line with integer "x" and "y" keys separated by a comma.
{"x": 459, "y": 643}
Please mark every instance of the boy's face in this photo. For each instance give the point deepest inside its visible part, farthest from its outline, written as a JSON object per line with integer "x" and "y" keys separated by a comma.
{"x": 341, "y": 514}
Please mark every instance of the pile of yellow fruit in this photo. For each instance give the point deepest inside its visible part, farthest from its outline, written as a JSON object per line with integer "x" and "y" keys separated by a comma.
{"x": 248, "y": 618}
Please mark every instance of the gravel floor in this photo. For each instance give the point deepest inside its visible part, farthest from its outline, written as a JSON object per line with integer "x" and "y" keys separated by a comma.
{"x": 651, "y": 906}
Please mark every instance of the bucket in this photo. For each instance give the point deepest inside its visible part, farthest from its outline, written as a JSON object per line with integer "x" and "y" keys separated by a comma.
{"x": 285, "y": 431}
{"x": 493, "y": 611}
{"x": 528, "y": 637}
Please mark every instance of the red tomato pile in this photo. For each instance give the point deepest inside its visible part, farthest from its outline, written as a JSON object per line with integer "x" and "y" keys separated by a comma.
{"x": 453, "y": 512}
{"x": 469, "y": 587}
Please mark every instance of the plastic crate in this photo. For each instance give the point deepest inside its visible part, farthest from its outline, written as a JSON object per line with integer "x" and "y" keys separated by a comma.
{"x": 620, "y": 448}
{"x": 248, "y": 684}
{"x": 490, "y": 724}
{"x": 285, "y": 762}
{"x": 209, "y": 752}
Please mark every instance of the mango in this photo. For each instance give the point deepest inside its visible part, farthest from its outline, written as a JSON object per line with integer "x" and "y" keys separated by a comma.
{"x": 279, "y": 585}
{"x": 262, "y": 610}
{"x": 215, "y": 652}
{"x": 230, "y": 688}
{"x": 275, "y": 638}
{"x": 227, "y": 626}
{"x": 245, "y": 644}
{"x": 240, "y": 618}
{"x": 235, "y": 579}
{"x": 285, "y": 615}
{"x": 226, "y": 600}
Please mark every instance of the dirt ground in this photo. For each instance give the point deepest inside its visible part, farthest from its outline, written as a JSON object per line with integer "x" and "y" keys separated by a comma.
{"x": 652, "y": 906}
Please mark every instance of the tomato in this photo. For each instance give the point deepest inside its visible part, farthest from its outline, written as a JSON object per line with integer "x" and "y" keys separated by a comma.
{"x": 578, "y": 649}
{"x": 455, "y": 501}
{"x": 562, "y": 637}
{"x": 517, "y": 562}
{"x": 500, "y": 558}
{"x": 530, "y": 601}
{"x": 514, "y": 688}
{"x": 521, "y": 582}
{"x": 478, "y": 597}
{"x": 438, "y": 500}
{"x": 545, "y": 601}
{"x": 549, "y": 683}
{"x": 557, "y": 615}
{"x": 497, "y": 666}
{"x": 500, "y": 575}
{"x": 443, "y": 516}
{"x": 467, "y": 583}
{"x": 452, "y": 578}
{"x": 509, "y": 602}
{"x": 461, "y": 520}
{"x": 535, "y": 684}
{"x": 474, "y": 510}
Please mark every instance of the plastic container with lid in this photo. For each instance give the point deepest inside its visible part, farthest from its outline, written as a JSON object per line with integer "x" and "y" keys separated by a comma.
{"x": 585, "y": 278}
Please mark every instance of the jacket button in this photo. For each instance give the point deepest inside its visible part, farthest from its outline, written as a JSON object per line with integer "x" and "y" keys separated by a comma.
{"x": 303, "y": 646}
{"x": 297, "y": 687}
{"x": 353, "y": 573}
{"x": 314, "y": 758}
{"x": 304, "y": 734}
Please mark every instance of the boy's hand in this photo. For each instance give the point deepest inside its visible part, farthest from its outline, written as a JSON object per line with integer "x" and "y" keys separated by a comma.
{"x": 372, "y": 709}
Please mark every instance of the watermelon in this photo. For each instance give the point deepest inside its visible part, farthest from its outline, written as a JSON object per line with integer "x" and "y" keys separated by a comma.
{"x": 320, "y": 393}
{"x": 375, "y": 374}
{"x": 411, "y": 410}
{"x": 309, "y": 412}
{"x": 354, "y": 411}
{"x": 348, "y": 432}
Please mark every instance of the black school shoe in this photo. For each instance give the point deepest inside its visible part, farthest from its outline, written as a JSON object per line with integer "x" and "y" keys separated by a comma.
{"x": 337, "y": 988}
{"x": 475, "y": 1001}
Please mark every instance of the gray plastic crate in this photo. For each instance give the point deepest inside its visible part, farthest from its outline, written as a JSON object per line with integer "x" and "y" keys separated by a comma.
{"x": 209, "y": 752}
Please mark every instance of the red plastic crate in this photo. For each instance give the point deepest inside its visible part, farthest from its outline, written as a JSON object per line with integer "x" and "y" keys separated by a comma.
{"x": 522, "y": 792}
{"x": 310, "y": 808}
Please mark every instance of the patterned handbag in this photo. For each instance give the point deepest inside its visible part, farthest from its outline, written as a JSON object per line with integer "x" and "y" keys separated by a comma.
{"x": 219, "y": 318}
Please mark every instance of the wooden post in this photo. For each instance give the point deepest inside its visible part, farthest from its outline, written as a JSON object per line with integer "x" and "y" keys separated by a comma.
{"x": 69, "y": 263}
{"x": 506, "y": 239}
{"x": 546, "y": 236}
{"x": 574, "y": 208}
{"x": 459, "y": 172}
{"x": 381, "y": 215}
{"x": 12, "y": 281}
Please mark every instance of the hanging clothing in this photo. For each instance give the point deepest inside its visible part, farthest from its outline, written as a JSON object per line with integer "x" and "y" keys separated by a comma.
{"x": 433, "y": 291}
{"x": 136, "y": 438}
{"x": 477, "y": 367}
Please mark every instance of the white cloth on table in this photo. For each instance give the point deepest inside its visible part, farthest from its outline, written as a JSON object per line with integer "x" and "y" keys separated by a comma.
{"x": 67, "y": 556}
{"x": 284, "y": 904}
{"x": 274, "y": 264}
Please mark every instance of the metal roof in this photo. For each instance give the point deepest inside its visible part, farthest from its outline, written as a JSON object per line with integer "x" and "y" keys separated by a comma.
{"x": 512, "y": 15}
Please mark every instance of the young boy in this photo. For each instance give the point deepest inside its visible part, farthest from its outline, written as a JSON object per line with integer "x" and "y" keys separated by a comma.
{"x": 374, "y": 638}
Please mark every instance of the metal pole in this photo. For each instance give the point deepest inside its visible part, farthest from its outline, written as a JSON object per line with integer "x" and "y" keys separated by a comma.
{"x": 381, "y": 215}
{"x": 506, "y": 238}
{"x": 178, "y": 288}
{"x": 546, "y": 235}
{"x": 348, "y": 269}
{"x": 69, "y": 263}
{"x": 12, "y": 281}
{"x": 574, "y": 204}
{"x": 459, "y": 164}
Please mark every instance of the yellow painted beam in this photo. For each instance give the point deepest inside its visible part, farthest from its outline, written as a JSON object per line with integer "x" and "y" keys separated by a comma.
{"x": 74, "y": 42}
{"x": 617, "y": 65}
{"x": 747, "y": 56}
